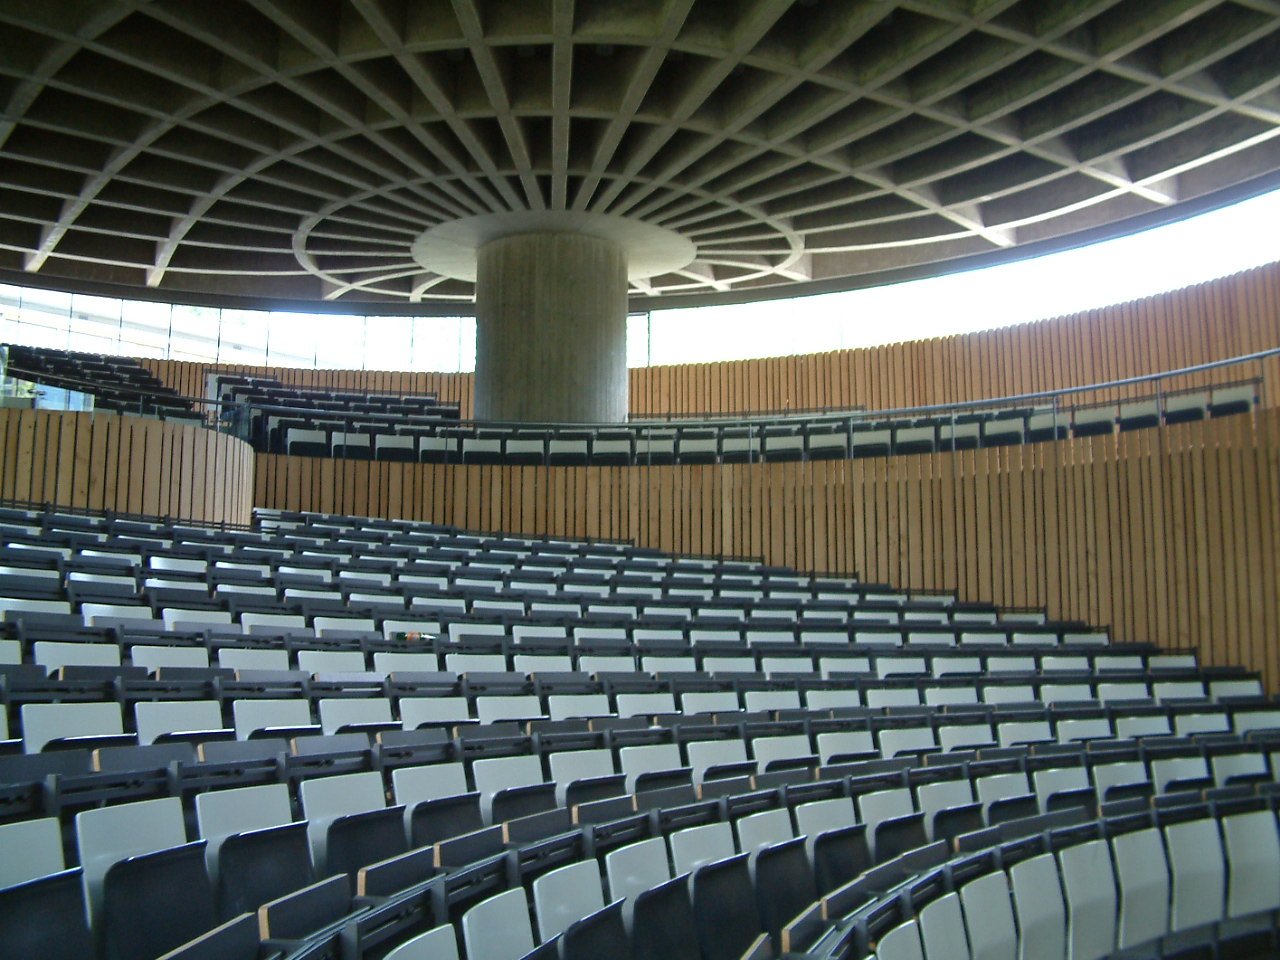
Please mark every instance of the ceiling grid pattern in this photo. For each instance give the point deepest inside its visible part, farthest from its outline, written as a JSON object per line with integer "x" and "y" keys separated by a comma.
{"x": 297, "y": 150}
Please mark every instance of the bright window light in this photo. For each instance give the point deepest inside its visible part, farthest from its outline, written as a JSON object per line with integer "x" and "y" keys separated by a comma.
{"x": 1176, "y": 255}
{"x": 1190, "y": 251}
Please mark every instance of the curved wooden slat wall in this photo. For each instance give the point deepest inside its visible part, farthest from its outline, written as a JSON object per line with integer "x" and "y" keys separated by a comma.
{"x": 1170, "y": 535}
{"x": 1212, "y": 321}
{"x": 104, "y": 461}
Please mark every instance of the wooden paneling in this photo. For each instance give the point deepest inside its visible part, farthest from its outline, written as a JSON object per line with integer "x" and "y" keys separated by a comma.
{"x": 126, "y": 464}
{"x": 1169, "y": 535}
{"x": 1213, "y": 321}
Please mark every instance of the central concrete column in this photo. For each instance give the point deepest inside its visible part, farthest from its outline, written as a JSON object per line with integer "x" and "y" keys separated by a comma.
{"x": 551, "y": 329}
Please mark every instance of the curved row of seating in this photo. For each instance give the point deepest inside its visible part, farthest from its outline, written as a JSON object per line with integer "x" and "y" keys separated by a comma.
{"x": 797, "y": 437}
{"x": 118, "y": 384}
{"x": 466, "y": 857}
{"x": 505, "y": 772}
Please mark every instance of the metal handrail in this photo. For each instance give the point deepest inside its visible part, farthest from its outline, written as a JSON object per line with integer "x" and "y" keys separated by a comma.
{"x": 642, "y": 425}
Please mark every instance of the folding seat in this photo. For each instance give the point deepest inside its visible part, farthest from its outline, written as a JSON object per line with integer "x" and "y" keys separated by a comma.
{"x": 645, "y": 704}
{"x": 1130, "y": 727}
{"x": 154, "y": 658}
{"x": 396, "y": 447}
{"x": 511, "y": 787}
{"x": 764, "y": 829}
{"x": 45, "y": 917}
{"x": 892, "y": 696}
{"x": 945, "y": 666}
{"x": 568, "y": 706}
{"x": 768, "y": 700}
{"x": 251, "y": 622}
{"x": 1122, "y": 692}
{"x": 12, "y": 608}
{"x": 417, "y": 712}
{"x": 349, "y": 824}
{"x": 901, "y": 943}
{"x": 498, "y": 928}
{"x": 1089, "y": 886}
{"x": 824, "y": 442}
{"x": 1001, "y": 786}
{"x": 1052, "y": 693}
{"x": 532, "y": 664}
{"x": 584, "y": 775}
{"x": 253, "y": 659}
{"x": 841, "y": 746}
{"x": 1164, "y": 771}
{"x": 740, "y": 446}
{"x": 254, "y": 852}
{"x": 1178, "y": 690}
{"x": 823, "y": 816}
{"x": 1039, "y": 904}
{"x": 109, "y": 614}
{"x": 1135, "y": 414}
{"x": 895, "y": 741}
{"x": 320, "y": 908}
{"x": 694, "y": 846}
{"x": 163, "y": 720}
{"x": 437, "y": 802}
{"x": 650, "y": 765}
{"x": 783, "y": 442}
{"x": 46, "y": 722}
{"x": 837, "y": 698}
{"x": 723, "y": 665}
{"x": 496, "y": 709}
{"x": 336, "y": 714}
{"x": 782, "y": 752}
{"x": 1049, "y": 781}
{"x": 942, "y": 933}
{"x": 784, "y": 666}
{"x": 1252, "y": 848}
{"x": 1002, "y": 693}
{"x": 343, "y": 626}
{"x": 949, "y": 696}
{"x": 177, "y": 618}
{"x": 1088, "y": 728}
{"x": 665, "y": 665}
{"x": 269, "y": 716}
{"x": 1189, "y": 724}
{"x": 475, "y": 662}
{"x": 300, "y": 442}
{"x": 1014, "y": 732}
{"x": 440, "y": 943}
{"x": 716, "y": 759}
{"x": 108, "y": 835}
{"x": 565, "y": 895}
{"x": 1222, "y": 689}
{"x": 30, "y": 849}
{"x": 724, "y": 909}
{"x": 988, "y": 917}
{"x": 882, "y": 805}
{"x": 654, "y": 447}
{"x": 1196, "y": 872}
{"x": 882, "y": 638}
{"x": 723, "y": 701}
{"x": 52, "y": 655}
{"x": 420, "y": 662}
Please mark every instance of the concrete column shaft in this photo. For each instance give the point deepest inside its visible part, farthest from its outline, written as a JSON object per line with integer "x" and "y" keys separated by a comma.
{"x": 551, "y": 329}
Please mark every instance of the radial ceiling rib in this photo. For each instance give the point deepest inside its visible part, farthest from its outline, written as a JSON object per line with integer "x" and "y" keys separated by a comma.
{"x": 303, "y": 150}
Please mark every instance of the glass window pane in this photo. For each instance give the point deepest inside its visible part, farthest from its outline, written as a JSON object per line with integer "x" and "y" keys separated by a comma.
{"x": 339, "y": 341}
{"x": 388, "y": 342}
{"x": 195, "y": 334}
{"x": 244, "y": 337}
{"x": 144, "y": 328}
{"x": 291, "y": 340}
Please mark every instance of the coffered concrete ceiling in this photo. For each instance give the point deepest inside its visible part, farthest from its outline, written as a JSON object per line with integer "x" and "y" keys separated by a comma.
{"x": 306, "y": 150}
